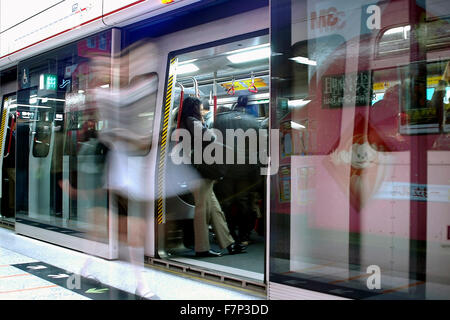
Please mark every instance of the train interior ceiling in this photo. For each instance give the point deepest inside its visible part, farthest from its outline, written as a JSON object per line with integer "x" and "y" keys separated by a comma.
{"x": 240, "y": 68}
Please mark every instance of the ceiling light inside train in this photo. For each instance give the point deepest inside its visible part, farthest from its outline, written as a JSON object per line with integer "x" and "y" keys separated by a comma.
{"x": 250, "y": 55}
{"x": 45, "y": 99}
{"x": 253, "y": 97}
{"x": 303, "y": 60}
{"x": 187, "y": 61}
{"x": 187, "y": 68}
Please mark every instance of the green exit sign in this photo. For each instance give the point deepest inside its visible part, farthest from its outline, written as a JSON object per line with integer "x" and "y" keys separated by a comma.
{"x": 48, "y": 82}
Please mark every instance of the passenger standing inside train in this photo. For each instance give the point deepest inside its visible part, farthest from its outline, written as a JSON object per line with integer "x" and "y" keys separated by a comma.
{"x": 207, "y": 208}
{"x": 207, "y": 114}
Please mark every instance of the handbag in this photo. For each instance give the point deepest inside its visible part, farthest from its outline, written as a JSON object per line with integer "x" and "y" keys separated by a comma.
{"x": 213, "y": 171}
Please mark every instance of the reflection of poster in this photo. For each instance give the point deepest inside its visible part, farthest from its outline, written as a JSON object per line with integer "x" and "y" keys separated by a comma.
{"x": 286, "y": 145}
{"x": 95, "y": 45}
{"x": 244, "y": 84}
{"x": 285, "y": 184}
{"x": 447, "y": 112}
{"x": 305, "y": 185}
{"x": 334, "y": 87}
{"x": 282, "y": 108}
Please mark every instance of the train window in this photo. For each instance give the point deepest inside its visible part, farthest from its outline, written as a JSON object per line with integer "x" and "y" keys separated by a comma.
{"x": 360, "y": 211}
{"x": 395, "y": 41}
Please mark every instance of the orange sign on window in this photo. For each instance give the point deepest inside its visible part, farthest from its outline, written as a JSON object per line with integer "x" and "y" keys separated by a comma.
{"x": 244, "y": 84}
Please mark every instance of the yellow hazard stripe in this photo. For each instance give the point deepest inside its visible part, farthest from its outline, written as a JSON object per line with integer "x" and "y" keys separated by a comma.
{"x": 2, "y": 129}
{"x": 160, "y": 216}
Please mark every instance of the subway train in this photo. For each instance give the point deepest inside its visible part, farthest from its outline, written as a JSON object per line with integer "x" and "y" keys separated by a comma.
{"x": 353, "y": 99}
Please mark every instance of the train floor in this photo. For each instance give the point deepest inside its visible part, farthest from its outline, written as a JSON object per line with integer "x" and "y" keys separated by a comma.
{"x": 249, "y": 264}
{"x": 35, "y": 270}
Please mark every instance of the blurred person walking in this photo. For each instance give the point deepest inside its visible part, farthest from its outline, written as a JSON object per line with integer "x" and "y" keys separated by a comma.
{"x": 128, "y": 135}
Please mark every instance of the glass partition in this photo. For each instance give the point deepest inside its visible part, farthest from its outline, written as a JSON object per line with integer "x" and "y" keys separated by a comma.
{"x": 360, "y": 95}
{"x": 60, "y": 161}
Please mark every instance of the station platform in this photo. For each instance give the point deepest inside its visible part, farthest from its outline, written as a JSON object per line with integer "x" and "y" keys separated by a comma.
{"x": 35, "y": 270}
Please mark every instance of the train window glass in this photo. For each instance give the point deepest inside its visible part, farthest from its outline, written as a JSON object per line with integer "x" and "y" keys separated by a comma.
{"x": 61, "y": 157}
{"x": 232, "y": 82}
{"x": 42, "y": 137}
{"x": 395, "y": 41}
{"x": 360, "y": 211}
{"x": 146, "y": 87}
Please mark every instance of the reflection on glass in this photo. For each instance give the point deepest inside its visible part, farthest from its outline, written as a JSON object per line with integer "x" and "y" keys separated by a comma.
{"x": 61, "y": 161}
{"x": 359, "y": 207}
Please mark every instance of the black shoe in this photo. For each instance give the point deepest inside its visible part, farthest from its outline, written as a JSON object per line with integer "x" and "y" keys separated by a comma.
{"x": 235, "y": 248}
{"x": 209, "y": 253}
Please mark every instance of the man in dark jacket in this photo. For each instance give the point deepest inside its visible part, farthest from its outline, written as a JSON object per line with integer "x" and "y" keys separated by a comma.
{"x": 240, "y": 190}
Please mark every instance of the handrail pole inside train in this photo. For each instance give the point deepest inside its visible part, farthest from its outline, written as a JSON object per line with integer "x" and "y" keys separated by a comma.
{"x": 197, "y": 91}
{"x": 215, "y": 97}
{"x": 180, "y": 108}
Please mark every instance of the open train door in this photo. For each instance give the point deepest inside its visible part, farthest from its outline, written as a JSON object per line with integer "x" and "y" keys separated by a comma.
{"x": 8, "y": 158}
{"x": 222, "y": 76}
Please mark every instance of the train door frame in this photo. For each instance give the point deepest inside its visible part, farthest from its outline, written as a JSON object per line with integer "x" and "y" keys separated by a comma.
{"x": 5, "y": 146}
{"x": 160, "y": 203}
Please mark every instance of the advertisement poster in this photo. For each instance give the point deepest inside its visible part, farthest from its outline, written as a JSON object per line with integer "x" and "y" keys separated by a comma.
{"x": 285, "y": 184}
{"x": 286, "y": 140}
{"x": 334, "y": 89}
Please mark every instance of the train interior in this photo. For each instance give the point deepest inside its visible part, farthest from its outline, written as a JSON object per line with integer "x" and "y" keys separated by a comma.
{"x": 227, "y": 72}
